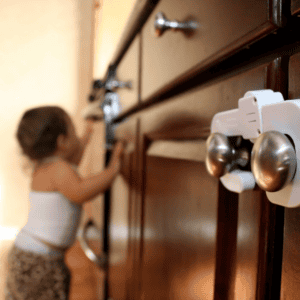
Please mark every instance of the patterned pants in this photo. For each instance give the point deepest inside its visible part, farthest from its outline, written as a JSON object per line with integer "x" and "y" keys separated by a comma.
{"x": 32, "y": 276}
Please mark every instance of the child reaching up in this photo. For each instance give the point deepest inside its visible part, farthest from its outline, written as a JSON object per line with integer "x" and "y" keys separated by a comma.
{"x": 48, "y": 138}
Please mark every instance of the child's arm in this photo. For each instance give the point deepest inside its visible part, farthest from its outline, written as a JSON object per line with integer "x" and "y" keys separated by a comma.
{"x": 83, "y": 142}
{"x": 81, "y": 190}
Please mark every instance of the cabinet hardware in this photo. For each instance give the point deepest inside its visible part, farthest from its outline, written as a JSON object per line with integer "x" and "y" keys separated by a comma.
{"x": 112, "y": 84}
{"x": 273, "y": 161}
{"x": 273, "y": 126}
{"x": 161, "y": 24}
{"x": 111, "y": 107}
{"x": 100, "y": 261}
{"x": 107, "y": 109}
{"x": 222, "y": 157}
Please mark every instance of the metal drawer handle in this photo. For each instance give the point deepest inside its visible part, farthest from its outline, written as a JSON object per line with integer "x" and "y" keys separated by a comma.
{"x": 161, "y": 24}
{"x": 100, "y": 261}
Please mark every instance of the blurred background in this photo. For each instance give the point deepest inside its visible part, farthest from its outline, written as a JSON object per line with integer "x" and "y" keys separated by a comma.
{"x": 50, "y": 52}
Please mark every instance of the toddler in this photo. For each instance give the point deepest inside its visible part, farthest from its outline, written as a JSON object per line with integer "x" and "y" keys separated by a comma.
{"x": 48, "y": 138}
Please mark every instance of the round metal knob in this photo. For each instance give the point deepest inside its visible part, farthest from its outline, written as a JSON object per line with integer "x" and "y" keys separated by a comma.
{"x": 161, "y": 24}
{"x": 222, "y": 157}
{"x": 273, "y": 161}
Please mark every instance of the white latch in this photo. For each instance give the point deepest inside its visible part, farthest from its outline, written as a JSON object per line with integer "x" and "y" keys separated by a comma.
{"x": 247, "y": 119}
{"x": 273, "y": 125}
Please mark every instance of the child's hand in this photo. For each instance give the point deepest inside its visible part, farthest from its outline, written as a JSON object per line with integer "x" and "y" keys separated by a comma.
{"x": 118, "y": 149}
{"x": 115, "y": 161}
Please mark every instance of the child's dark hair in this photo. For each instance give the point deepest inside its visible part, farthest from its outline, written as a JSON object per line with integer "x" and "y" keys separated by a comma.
{"x": 39, "y": 129}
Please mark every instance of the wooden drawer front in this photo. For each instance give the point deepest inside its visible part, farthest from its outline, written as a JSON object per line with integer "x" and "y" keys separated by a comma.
{"x": 128, "y": 70}
{"x": 200, "y": 240}
{"x": 291, "y": 247}
{"x": 225, "y": 26}
{"x": 189, "y": 115}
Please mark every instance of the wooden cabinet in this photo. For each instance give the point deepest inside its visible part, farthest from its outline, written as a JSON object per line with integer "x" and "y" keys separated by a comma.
{"x": 123, "y": 193}
{"x": 224, "y": 27}
{"x": 175, "y": 232}
{"x": 128, "y": 70}
{"x": 291, "y": 250}
{"x": 200, "y": 241}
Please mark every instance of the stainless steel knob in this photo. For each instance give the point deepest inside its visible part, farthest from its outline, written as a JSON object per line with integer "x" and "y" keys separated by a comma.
{"x": 222, "y": 157}
{"x": 161, "y": 24}
{"x": 273, "y": 161}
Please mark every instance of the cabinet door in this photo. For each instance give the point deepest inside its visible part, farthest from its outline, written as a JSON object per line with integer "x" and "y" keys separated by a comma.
{"x": 291, "y": 246}
{"x": 120, "y": 231}
{"x": 201, "y": 241}
{"x": 225, "y": 27}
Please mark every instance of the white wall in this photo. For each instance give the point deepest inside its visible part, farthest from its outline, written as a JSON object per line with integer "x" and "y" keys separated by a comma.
{"x": 45, "y": 58}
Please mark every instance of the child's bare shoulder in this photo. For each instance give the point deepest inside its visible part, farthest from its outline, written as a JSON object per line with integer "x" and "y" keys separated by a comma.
{"x": 63, "y": 171}
{"x": 62, "y": 166}
{"x": 65, "y": 179}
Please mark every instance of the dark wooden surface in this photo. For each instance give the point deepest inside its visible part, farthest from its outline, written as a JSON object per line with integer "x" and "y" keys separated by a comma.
{"x": 87, "y": 279}
{"x": 179, "y": 248}
{"x": 225, "y": 28}
{"x": 121, "y": 226}
{"x": 295, "y": 7}
{"x": 291, "y": 249}
{"x": 179, "y": 196}
{"x": 119, "y": 231}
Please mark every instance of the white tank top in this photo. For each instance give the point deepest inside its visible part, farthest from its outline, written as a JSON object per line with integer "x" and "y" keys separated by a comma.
{"x": 52, "y": 217}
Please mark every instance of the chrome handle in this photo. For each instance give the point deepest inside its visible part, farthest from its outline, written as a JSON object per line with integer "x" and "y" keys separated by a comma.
{"x": 222, "y": 157}
{"x": 161, "y": 24}
{"x": 100, "y": 261}
{"x": 273, "y": 161}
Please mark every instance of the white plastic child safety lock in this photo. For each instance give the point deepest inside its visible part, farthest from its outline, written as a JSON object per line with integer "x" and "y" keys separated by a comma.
{"x": 273, "y": 125}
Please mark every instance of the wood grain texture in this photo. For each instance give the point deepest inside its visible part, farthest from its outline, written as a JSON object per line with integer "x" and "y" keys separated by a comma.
{"x": 121, "y": 223}
{"x": 180, "y": 225}
{"x": 188, "y": 116}
{"x": 242, "y": 241}
{"x": 291, "y": 251}
{"x": 225, "y": 28}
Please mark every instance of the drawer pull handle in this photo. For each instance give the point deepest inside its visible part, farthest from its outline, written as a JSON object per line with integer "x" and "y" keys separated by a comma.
{"x": 162, "y": 24}
{"x": 100, "y": 261}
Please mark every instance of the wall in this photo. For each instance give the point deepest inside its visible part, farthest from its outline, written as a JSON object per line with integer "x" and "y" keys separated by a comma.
{"x": 49, "y": 50}
{"x": 45, "y": 58}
